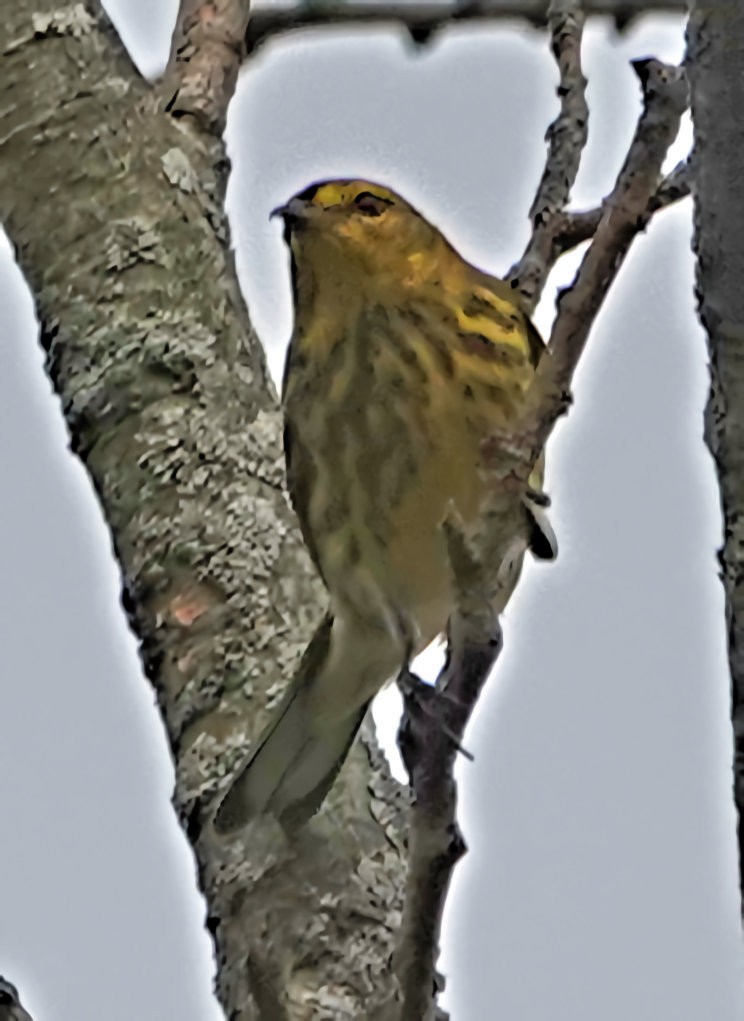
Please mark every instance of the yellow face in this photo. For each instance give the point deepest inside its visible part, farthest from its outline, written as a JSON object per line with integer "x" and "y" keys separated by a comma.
{"x": 363, "y": 222}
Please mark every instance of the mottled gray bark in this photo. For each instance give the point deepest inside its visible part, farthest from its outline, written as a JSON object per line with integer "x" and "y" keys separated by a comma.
{"x": 716, "y": 73}
{"x": 116, "y": 212}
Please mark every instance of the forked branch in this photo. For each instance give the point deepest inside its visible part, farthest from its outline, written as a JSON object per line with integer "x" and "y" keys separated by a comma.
{"x": 429, "y": 745}
{"x": 625, "y": 213}
{"x": 573, "y": 228}
{"x": 429, "y": 740}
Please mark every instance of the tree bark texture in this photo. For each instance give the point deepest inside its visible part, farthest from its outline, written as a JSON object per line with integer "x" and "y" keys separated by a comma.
{"x": 116, "y": 212}
{"x": 716, "y": 73}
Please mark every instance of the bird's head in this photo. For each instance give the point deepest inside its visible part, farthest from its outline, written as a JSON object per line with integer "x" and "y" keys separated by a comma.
{"x": 356, "y": 226}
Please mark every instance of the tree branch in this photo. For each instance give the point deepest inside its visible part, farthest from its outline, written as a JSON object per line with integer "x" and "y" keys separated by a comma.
{"x": 422, "y": 20}
{"x": 430, "y": 737}
{"x": 625, "y": 213}
{"x": 573, "y": 228}
{"x": 429, "y": 740}
{"x": 207, "y": 50}
{"x": 715, "y": 62}
{"x": 566, "y": 138}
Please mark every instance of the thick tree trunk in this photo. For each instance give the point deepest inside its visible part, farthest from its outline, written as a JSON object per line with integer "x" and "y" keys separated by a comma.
{"x": 716, "y": 73}
{"x": 116, "y": 212}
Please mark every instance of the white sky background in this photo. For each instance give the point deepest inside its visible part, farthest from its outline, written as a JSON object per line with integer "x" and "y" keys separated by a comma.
{"x": 601, "y": 880}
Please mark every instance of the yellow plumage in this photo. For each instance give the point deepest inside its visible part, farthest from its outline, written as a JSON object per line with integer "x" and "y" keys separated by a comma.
{"x": 404, "y": 359}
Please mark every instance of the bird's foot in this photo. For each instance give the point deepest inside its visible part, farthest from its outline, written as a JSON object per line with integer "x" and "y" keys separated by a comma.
{"x": 424, "y": 699}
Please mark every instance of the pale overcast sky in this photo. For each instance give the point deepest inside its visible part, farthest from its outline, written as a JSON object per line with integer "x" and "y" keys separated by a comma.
{"x": 601, "y": 881}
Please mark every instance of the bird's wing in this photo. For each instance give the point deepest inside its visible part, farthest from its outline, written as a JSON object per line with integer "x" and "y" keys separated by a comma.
{"x": 503, "y": 295}
{"x": 543, "y": 542}
{"x": 300, "y": 471}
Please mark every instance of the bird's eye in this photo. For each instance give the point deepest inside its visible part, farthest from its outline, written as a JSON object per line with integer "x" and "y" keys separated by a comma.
{"x": 371, "y": 205}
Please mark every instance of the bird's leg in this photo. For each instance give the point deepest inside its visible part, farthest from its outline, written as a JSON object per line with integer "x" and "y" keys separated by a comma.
{"x": 537, "y": 496}
{"x": 424, "y": 700}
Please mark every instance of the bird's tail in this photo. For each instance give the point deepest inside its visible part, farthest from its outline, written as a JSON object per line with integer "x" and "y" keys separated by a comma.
{"x": 300, "y": 753}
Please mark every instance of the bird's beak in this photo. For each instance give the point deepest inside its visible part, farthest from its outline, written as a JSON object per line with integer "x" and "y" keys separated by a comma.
{"x": 295, "y": 211}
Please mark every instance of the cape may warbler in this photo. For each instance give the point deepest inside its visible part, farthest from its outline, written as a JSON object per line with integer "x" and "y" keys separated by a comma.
{"x": 404, "y": 359}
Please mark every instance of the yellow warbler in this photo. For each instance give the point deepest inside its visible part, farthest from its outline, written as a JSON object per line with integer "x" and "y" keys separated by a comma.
{"x": 404, "y": 359}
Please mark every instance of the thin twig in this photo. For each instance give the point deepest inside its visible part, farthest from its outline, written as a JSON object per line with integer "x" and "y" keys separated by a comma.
{"x": 422, "y": 20}
{"x": 566, "y": 138}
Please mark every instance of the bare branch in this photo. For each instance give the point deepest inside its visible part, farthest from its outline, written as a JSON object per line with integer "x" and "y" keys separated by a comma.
{"x": 429, "y": 739}
{"x": 566, "y": 138}
{"x": 625, "y": 213}
{"x": 422, "y": 20}
{"x": 206, "y": 53}
{"x": 715, "y": 64}
{"x": 573, "y": 229}
{"x": 431, "y": 733}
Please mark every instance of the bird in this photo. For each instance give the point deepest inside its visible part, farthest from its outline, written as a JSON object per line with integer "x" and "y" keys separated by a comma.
{"x": 404, "y": 359}
{"x": 10, "y": 1004}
